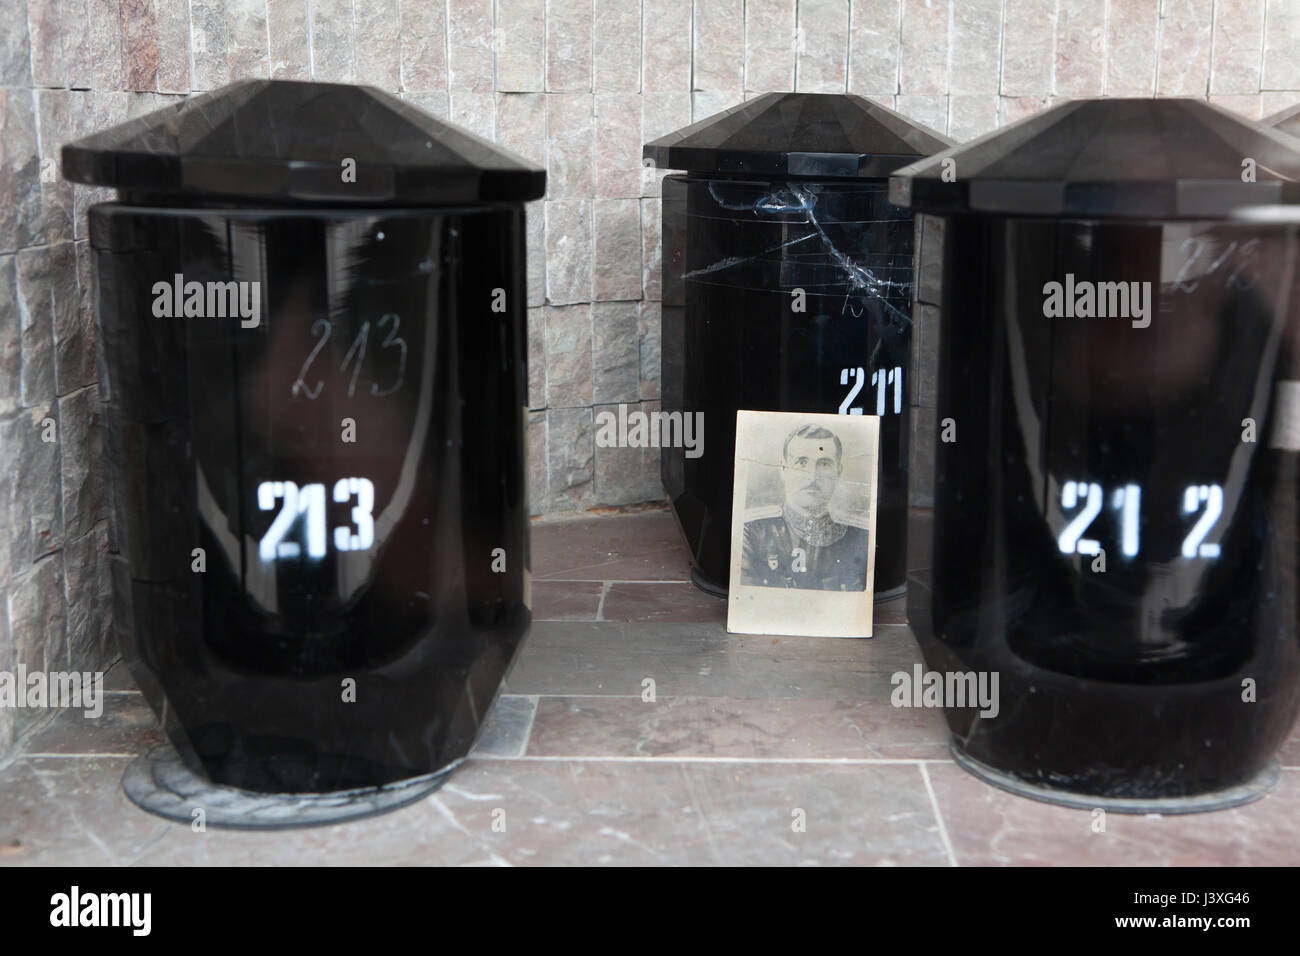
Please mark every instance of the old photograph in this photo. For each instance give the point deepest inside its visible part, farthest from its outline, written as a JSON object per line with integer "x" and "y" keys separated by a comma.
{"x": 803, "y": 519}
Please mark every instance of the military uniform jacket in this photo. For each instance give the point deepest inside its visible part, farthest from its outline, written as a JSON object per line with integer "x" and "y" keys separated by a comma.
{"x": 775, "y": 557}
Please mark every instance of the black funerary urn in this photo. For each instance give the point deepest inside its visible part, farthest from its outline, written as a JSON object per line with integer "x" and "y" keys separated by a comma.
{"x": 1114, "y": 523}
{"x": 787, "y": 282}
{"x": 311, "y": 317}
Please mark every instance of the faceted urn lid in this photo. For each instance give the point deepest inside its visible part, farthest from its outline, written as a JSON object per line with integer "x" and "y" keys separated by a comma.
{"x": 1287, "y": 120}
{"x": 826, "y": 135}
{"x": 1110, "y": 158}
{"x": 277, "y": 141}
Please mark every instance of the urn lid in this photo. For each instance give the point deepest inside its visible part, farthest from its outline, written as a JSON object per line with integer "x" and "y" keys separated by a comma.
{"x": 1109, "y": 158}
{"x": 279, "y": 142}
{"x": 821, "y": 135}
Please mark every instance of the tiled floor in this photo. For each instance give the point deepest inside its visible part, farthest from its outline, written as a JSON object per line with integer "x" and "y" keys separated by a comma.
{"x": 755, "y": 750}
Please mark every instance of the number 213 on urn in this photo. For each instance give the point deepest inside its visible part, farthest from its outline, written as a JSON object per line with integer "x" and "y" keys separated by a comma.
{"x": 311, "y": 317}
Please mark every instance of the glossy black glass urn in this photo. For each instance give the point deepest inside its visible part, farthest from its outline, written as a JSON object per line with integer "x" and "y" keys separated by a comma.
{"x": 787, "y": 281}
{"x": 311, "y": 320}
{"x": 1114, "y": 522}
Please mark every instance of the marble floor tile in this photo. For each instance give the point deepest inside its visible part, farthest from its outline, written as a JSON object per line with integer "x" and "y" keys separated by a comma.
{"x": 726, "y": 727}
{"x": 127, "y": 726}
{"x": 71, "y": 811}
{"x": 635, "y": 547}
{"x": 505, "y": 732}
{"x": 509, "y": 812}
{"x": 893, "y": 611}
{"x": 701, "y": 660}
{"x": 567, "y": 600}
{"x": 990, "y": 827}
{"x": 663, "y": 602}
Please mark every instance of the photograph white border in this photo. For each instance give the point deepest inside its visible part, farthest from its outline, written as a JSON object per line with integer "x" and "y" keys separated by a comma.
{"x": 800, "y": 612}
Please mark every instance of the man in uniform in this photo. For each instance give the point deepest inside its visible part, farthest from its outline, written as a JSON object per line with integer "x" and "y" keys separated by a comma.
{"x": 803, "y": 547}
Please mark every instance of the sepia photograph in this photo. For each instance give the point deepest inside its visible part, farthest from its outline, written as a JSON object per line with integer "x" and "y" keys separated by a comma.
{"x": 803, "y": 518}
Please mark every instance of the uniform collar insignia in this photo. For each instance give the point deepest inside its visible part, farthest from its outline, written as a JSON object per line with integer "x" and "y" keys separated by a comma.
{"x": 819, "y": 530}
